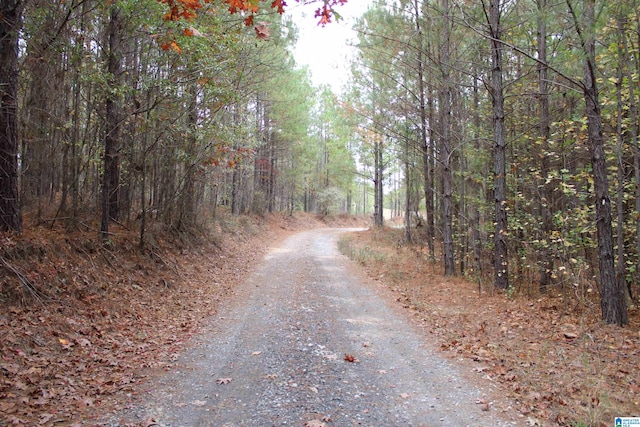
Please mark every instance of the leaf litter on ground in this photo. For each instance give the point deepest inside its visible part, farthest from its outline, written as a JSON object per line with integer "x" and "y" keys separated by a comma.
{"x": 84, "y": 322}
{"x": 550, "y": 355}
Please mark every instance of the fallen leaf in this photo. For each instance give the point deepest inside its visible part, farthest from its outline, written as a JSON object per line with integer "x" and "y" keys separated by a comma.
{"x": 199, "y": 403}
{"x": 404, "y": 395}
{"x": 350, "y": 358}
{"x": 256, "y": 353}
{"x": 66, "y": 344}
{"x": 223, "y": 380}
{"x": 570, "y": 335}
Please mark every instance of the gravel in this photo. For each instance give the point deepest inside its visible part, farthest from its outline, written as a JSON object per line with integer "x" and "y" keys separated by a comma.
{"x": 275, "y": 356}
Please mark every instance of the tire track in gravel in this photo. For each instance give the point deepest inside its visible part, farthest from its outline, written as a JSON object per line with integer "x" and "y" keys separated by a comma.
{"x": 281, "y": 346}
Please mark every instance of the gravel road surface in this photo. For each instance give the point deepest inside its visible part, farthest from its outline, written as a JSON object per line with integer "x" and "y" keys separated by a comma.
{"x": 275, "y": 356}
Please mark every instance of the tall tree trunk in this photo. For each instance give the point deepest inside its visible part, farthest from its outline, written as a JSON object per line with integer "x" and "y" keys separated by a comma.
{"x": 621, "y": 266}
{"x": 613, "y": 302}
{"x": 111, "y": 177}
{"x": 10, "y": 23}
{"x": 235, "y": 190}
{"x": 75, "y": 141}
{"x": 480, "y": 189}
{"x": 75, "y": 138}
{"x": 188, "y": 206}
{"x": 634, "y": 135}
{"x": 501, "y": 278}
{"x": 424, "y": 142}
{"x": 271, "y": 183}
{"x": 143, "y": 181}
{"x": 378, "y": 213}
{"x": 544, "y": 132}
{"x": 236, "y": 175}
{"x": 408, "y": 178}
{"x": 446, "y": 146}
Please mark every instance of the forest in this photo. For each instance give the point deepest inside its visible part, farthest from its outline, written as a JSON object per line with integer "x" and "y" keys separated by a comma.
{"x": 152, "y": 150}
{"x": 504, "y": 132}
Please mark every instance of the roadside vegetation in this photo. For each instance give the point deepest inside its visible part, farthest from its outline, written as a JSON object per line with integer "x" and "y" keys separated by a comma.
{"x": 83, "y": 322}
{"x": 551, "y": 355}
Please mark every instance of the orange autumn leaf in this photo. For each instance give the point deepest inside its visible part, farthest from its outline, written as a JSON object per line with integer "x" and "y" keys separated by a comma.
{"x": 182, "y": 9}
{"x": 236, "y": 6}
{"x": 175, "y": 47}
{"x": 171, "y": 45}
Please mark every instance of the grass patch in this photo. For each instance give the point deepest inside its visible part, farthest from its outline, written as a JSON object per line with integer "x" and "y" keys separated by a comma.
{"x": 364, "y": 255}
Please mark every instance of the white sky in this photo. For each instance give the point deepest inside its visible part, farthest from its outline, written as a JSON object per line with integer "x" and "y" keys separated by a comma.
{"x": 325, "y": 50}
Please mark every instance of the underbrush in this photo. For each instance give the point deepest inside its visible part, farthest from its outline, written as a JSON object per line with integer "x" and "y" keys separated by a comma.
{"x": 362, "y": 255}
{"x": 554, "y": 359}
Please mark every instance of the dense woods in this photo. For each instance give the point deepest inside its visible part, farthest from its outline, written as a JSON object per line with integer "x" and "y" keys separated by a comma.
{"x": 505, "y": 132}
{"x": 127, "y": 112}
{"x": 519, "y": 120}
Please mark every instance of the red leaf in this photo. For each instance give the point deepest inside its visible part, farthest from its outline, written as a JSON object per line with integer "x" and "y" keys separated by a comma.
{"x": 175, "y": 47}
{"x": 350, "y": 358}
{"x": 278, "y": 5}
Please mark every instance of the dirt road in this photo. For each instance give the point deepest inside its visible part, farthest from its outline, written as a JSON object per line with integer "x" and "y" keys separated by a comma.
{"x": 276, "y": 356}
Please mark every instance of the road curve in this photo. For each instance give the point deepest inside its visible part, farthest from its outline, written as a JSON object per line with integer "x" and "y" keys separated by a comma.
{"x": 276, "y": 355}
